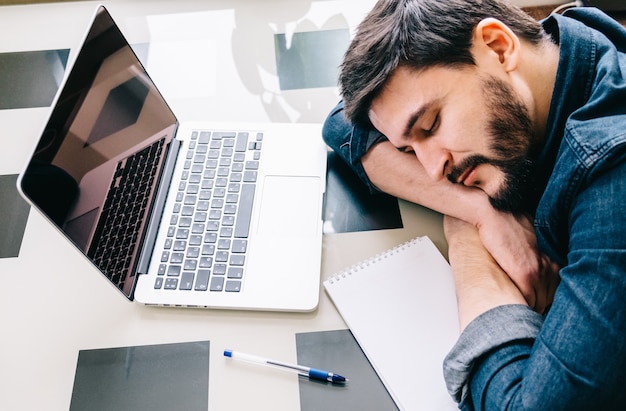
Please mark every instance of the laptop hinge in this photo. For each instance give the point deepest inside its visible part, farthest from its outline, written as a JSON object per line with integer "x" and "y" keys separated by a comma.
{"x": 159, "y": 205}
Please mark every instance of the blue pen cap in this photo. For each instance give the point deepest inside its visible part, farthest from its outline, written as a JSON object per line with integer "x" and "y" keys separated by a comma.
{"x": 228, "y": 353}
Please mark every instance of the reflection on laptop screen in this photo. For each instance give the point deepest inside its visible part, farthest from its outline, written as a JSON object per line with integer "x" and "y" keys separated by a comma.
{"x": 110, "y": 130}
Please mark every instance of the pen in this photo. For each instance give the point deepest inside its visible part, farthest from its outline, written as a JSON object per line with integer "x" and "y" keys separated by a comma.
{"x": 302, "y": 370}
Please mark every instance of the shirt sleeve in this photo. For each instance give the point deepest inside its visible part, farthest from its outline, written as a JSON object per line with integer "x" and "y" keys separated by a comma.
{"x": 492, "y": 329}
{"x": 350, "y": 142}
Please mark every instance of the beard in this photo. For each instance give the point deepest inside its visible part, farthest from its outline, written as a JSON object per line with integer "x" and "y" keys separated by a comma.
{"x": 511, "y": 140}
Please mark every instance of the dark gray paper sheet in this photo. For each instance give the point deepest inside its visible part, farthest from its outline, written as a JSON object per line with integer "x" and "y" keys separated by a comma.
{"x": 151, "y": 378}
{"x": 310, "y": 59}
{"x": 13, "y": 217}
{"x": 31, "y": 78}
{"x": 337, "y": 351}
{"x": 350, "y": 207}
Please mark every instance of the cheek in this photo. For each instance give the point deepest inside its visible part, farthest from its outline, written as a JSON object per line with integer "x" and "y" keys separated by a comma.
{"x": 464, "y": 122}
{"x": 463, "y": 137}
{"x": 466, "y": 127}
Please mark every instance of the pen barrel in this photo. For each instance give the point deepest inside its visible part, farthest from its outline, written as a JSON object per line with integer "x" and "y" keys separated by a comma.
{"x": 245, "y": 357}
{"x": 264, "y": 361}
{"x": 290, "y": 366}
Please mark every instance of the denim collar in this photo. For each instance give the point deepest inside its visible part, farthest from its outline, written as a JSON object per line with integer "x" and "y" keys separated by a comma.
{"x": 571, "y": 90}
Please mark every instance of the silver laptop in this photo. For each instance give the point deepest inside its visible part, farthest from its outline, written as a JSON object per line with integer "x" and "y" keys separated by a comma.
{"x": 199, "y": 215}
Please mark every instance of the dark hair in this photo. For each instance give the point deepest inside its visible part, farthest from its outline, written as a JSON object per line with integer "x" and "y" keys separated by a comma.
{"x": 418, "y": 34}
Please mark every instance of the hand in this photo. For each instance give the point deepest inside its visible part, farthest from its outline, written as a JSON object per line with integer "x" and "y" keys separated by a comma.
{"x": 480, "y": 282}
{"x": 512, "y": 243}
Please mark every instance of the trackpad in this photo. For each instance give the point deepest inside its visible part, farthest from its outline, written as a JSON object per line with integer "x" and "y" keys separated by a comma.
{"x": 290, "y": 206}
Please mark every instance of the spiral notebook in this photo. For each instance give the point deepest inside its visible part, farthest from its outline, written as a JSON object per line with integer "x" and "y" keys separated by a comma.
{"x": 401, "y": 308}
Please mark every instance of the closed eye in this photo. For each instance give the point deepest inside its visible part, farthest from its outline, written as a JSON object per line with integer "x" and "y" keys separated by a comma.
{"x": 434, "y": 126}
{"x": 424, "y": 133}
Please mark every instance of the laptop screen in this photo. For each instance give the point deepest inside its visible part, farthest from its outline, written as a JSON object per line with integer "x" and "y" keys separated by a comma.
{"x": 108, "y": 122}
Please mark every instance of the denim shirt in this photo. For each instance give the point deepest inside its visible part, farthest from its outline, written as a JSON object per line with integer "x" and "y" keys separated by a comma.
{"x": 574, "y": 358}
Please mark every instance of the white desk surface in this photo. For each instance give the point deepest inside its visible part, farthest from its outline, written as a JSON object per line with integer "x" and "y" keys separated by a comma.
{"x": 53, "y": 304}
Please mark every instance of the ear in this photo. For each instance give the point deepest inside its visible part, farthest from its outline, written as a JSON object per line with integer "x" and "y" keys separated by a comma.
{"x": 495, "y": 39}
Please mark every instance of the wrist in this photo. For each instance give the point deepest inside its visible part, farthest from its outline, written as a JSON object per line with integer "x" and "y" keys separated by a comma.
{"x": 481, "y": 211}
{"x": 482, "y": 291}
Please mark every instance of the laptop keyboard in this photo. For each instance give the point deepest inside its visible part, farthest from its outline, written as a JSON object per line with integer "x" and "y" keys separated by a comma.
{"x": 124, "y": 209}
{"x": 207, "y": 238}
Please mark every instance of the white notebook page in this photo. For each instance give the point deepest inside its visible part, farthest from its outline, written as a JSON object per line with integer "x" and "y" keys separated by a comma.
{"x": 401, "y": 308}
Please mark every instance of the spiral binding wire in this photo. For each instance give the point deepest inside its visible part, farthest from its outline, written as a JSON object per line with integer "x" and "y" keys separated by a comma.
{"x": 366, "y": 263}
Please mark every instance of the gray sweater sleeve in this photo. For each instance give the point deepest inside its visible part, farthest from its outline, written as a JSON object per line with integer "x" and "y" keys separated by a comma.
{"x": 487, "y": 332}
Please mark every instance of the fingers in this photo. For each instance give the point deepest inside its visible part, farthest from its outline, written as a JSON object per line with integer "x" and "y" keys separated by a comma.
{"x": 550, "y": 280}
{"x": 524, "y": 269}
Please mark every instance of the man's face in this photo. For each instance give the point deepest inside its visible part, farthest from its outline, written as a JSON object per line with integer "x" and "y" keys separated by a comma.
{"x": 467, "y": 127}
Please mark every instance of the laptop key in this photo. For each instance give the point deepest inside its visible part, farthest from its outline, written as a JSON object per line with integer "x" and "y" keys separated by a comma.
{"x": 206, "y": 262}
{"x": 186, "y": 280}
{"x": 233, "y": 286}
{"x": 237, "y": 260}
{"x": 158, "y": 283}
{"x": 244, "y": 214}
{"x": 173, "y": 270}
{"x": 239, "y": 246}
{"x": 202, "y": 280}
{"x": 217, "y": 284}
{"x": 171, "y": 283}
{"x": 204, "y": 137}
{"x": 235, "y": 272}
{"x": 242, "y": 142}
{"x": 250, "y": 176}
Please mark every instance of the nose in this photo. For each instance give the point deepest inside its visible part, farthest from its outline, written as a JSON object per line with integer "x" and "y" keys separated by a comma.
{"x": 434, "y": 160}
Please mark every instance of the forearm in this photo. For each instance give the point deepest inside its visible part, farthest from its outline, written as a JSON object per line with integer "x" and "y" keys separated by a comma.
{"x": 402, "y": 175}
